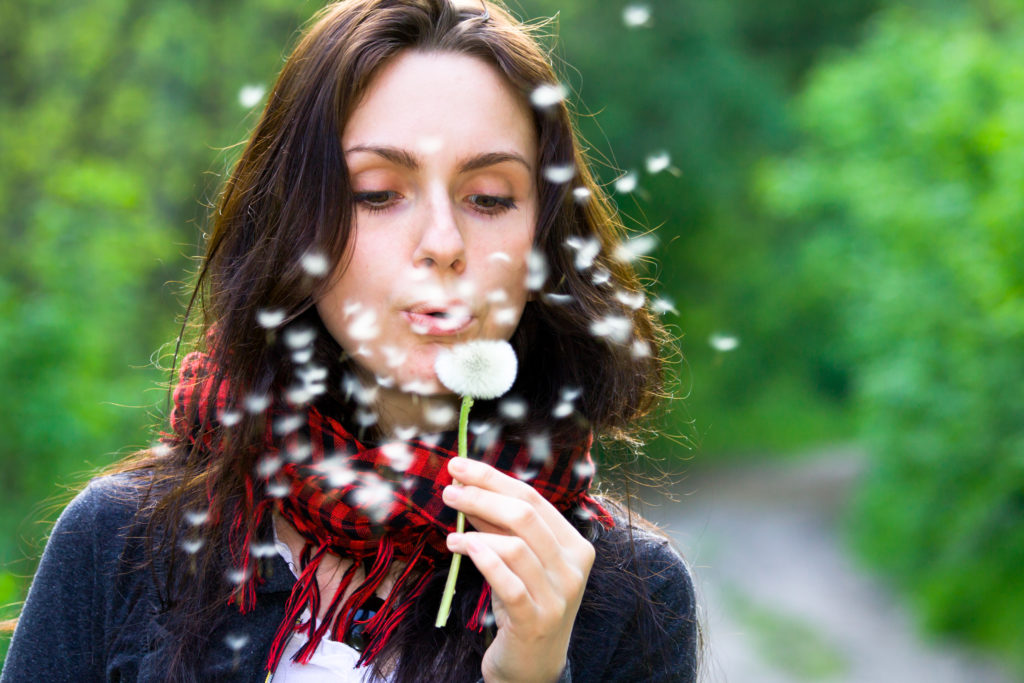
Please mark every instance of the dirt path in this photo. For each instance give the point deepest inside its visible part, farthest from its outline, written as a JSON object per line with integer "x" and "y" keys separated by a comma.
{"x": 783, "y": 601}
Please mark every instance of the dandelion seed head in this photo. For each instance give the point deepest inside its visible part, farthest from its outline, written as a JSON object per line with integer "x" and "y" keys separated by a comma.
{"x": 636, "y": 15}
{"x": 269, "y": 318}
{"x": 559, "y": 173}
{"x": 658, "y": 162}
{"x": 315, "y": 263}
{"x": 251, "y": 94}
{"x": 724, "y": 342}
{"x": 626, "y": 183}
{"x": 632, "y": 249}
{"x": 483, "y": 368}
{"x": 548, "y": 95}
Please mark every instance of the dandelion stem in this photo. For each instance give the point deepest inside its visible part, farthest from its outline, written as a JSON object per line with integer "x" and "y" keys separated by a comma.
{"x": 460, "y": 522}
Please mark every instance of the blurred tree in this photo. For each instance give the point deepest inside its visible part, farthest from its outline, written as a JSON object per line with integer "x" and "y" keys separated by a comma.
{"x": 909, "y": 183}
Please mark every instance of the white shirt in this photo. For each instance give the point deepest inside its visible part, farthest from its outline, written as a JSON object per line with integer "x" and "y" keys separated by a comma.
{"x": 331, "y": 661}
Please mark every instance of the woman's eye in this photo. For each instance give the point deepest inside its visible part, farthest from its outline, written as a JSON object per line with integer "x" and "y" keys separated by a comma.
{"x": 376, "y": 200}
{"x": 488, "y": 203}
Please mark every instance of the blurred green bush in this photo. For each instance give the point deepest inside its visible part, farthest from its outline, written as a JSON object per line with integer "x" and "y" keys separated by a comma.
{"x": 909, "y": 181}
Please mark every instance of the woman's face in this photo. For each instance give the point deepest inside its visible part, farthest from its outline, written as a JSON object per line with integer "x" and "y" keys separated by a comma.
{"x": 441, "y": 154}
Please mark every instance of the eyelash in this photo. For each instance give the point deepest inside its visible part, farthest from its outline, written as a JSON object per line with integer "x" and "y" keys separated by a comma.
{"x": 499, "y": 204}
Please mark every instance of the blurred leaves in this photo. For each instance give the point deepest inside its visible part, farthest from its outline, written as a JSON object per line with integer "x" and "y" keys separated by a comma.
{"x": 908, "y": 181}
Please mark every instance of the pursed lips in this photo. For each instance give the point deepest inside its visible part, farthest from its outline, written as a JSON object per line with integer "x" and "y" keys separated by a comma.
{"x": 431, "y": 319}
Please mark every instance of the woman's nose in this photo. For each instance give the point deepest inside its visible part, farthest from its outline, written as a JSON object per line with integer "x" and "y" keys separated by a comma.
{"x": 440, "y": 239}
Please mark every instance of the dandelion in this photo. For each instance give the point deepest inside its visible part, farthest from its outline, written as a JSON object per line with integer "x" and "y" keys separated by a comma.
{"x": 626, "y": 183}
{"x": 481, "y": 369}
{"x": 658, "y": 162}
{"x": 636, "y": 16}
{"x": 548, "y": 95}
{"x": 723, "y": 342}
{"x": 250, "y": 95}
{"x": 269, "y": 318}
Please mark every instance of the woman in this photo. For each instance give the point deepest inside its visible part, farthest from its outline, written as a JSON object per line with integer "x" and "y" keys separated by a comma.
{"x": 402, "y": 193}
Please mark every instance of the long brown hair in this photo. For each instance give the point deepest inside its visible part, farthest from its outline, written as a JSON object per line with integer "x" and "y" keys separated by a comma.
{"x": 289, "y": 196}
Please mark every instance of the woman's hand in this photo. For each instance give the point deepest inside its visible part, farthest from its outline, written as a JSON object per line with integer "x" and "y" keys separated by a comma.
{"x": 535, "y": 561}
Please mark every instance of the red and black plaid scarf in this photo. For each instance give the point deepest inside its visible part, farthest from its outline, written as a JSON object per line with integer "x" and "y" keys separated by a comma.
{"x": 374, "y": 505}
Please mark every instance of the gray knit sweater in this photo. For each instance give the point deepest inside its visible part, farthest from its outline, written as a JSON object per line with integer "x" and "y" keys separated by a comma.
{"x": 90, "y": 617}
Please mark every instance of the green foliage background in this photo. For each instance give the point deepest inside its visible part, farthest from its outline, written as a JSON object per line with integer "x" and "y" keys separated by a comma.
{"x": 845, "y": 198}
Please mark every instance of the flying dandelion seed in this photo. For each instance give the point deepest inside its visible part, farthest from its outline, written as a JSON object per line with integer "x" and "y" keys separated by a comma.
{"x": 262, "y": 550}
{"x": 298, "y": 396}
{"x": 724, "y": 342}
{"x": 631, "y": 250}
{"x": 375, "y": 496}
{"x": 315, "y": 263}
{"x": 351, "y": 307}
{"x": 256, "y": 403}
{"x": 601, "y": 276}
{"x": 310, "y": 374}
{"x": 539, "y": 446}
{"x": 299, "y": 450}
{"x": 580, "y": 194}
{"x": 161, "y": 450}
{"x": 500, "y": 256}
{"x": 251, "y": 95}
{"x": 197, "y": 517}
{"x": 405, "y": 433}
{"x": 429, "y": 144}
{"x": 563, "y": 410}
{"x": 586, "y": 250}
{"x": 640, "y": 349}
{"x": 497, "y": 296}
{"x": 559, "y": 174}
{"x": 636, "y": 16}
{"x": 615, "y": 327}
{"x": 299, "y": 337}
{"x": 357, "y": 391}
{"x": 364, "y": 327}
{"x": 439, "y": 414}
{"x": 506, "y": 316}
{"x": 302, "y": 356}
{"x": 513, "y": 409}
{"x": 286, "y": 424}
{"x": 229, "y": 418}
{"x": 419, "y": 387}
{"x": 524, "y": 474}
{"x": 658, "y": 162}
{"x": 632, "y": 300}
{"x": 662, "y": 305}
{"x": 383, "y": 381}
{"x": 399, "y": 456}
{"x": 278, "y": 489}
{"x": 583, "y": 469}
{"x": 626, "y": 183}
{"x": 486, "y": 436}
{"x": 548, "y": 95}
{"x": 583, "y": 513}
{"x": 571, "y": 393}
{"x": 269, "y": 318}
{"x": 268, "y": 467}
{"x": 338, "y": 472}
{"x": 393, "y": 356}
{"x": 555, "y": 299}
{"x": 366, "y": 418}
{"x": 236, "y": 641}
{"x": 536, "y": 270}
{"x": 192, "y": 545}
{"x": 238, "y": 576}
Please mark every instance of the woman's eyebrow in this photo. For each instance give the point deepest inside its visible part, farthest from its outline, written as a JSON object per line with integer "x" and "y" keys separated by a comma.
{"x": 405, "y": 159}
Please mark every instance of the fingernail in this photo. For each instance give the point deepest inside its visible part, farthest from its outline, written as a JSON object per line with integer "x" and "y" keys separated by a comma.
{"x": 457, "y": 465}
{"x": 451, "y": 493}
{"x": 454, "y": 539}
